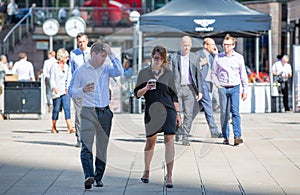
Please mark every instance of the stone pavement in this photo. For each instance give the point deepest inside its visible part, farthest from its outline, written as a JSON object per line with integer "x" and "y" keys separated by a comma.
{"x": 34, "y": 161}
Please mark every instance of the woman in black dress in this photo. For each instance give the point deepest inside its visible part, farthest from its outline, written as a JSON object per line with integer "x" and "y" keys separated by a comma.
{"x": 156, "y": 84}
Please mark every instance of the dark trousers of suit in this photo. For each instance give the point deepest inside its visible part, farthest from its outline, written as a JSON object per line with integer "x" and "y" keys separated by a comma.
{"x": 206, "y": 103}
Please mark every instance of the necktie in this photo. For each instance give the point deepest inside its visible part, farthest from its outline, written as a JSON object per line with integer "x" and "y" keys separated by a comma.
{"x": 83, "y": 57}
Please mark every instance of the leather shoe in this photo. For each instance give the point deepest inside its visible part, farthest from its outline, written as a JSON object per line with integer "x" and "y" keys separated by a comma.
{"x": 217, "y": 135}
{"x": 145, "y": 180}
{"x": 98, "y": 184}
{"x": 88, "y": 183}
{"x": 238, "y": 141}
{"x": 226, "y": 141}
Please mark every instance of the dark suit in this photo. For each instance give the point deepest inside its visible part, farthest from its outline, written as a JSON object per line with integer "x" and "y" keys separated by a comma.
{"x": 187, "y": 93}
{"x": 206, "y": 102}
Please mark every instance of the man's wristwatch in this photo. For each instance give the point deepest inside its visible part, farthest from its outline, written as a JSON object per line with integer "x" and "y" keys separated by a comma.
{"x": 178, "y": 113}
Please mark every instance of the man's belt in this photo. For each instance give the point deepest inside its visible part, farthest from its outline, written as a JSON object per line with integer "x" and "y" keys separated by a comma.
{"x": 102, "y": 108}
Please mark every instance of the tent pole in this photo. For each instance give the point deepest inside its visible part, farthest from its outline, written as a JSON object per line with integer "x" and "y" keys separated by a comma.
{"x": 140, "y": 52}
{"x": 270, "y": 62}
{"x": 257, "y": 55}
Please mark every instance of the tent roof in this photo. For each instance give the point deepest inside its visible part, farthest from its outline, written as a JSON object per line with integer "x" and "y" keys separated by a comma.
{"x": 205, "y": 16}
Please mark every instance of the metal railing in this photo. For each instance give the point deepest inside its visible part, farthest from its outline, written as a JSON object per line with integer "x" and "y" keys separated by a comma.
{"x": 17, "y": 33}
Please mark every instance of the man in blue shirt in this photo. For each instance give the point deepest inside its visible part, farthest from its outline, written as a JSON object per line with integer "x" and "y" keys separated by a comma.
{"x": 91, "y": 83}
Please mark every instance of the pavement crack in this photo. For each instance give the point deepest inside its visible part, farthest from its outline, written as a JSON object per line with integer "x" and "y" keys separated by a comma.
{"x": 203, "y": 191}
{"x": 60, "y": 173}
{"x": 18, "y": 180}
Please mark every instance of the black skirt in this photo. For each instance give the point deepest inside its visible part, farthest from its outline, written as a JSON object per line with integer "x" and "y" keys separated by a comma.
{"x": 159, "y": 118}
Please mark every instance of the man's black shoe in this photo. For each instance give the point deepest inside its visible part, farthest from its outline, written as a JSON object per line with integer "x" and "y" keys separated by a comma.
{"x": 226, "y": 141}
{"x": 98, "y": 184}
{"x": 88, "y": 183}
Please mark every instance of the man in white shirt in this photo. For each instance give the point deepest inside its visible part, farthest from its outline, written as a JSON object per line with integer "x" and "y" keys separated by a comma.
{"x": 23, "y": 69}
{"x": 46, "y": 71}
{"x": 282, "y": 71}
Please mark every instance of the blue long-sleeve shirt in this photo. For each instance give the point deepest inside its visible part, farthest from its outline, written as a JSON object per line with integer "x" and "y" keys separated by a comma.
{"x": 100, "y": 77}
{"x": 77, "y": 59}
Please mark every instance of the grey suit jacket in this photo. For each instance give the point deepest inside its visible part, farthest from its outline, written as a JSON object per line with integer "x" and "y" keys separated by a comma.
{"x": 195, "y": 72}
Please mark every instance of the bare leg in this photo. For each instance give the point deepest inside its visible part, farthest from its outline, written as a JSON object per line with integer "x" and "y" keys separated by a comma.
{"x": 70, "y": 129}
{"x": 148, "y": 154}
{"x": 169, "y": 156}
{"x": 54, "y": 130}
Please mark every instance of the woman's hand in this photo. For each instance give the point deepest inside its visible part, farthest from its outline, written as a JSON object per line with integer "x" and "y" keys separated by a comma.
{"x": 178, "y": 120}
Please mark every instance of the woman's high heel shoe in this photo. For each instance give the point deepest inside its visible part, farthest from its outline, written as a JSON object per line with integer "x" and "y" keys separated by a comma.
{"x": 145, "y": 180}
{"x": 168, "y": 185}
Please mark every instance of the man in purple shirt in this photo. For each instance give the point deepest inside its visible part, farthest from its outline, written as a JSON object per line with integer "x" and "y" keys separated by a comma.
{"x": 230, "y": 77}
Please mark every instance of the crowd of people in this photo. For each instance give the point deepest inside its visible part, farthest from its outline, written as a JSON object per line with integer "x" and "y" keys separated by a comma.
{"x": 175, "y": 88}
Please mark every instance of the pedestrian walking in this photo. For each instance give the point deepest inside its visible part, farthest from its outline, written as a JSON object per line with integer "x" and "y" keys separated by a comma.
{"x": 60, "y": 96}
{"x": 188, "y": 83}
{"x": 78, "y": 57}
{"x": 91, "y": 83}
{"x": 207, "y": 55}
{"x": 230, "y": 77}
{"x": 156, "y": 84}
{"x": 46, "y": 72}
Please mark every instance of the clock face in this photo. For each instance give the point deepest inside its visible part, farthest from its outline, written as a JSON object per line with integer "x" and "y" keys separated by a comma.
{"x": 75, "y": 25}
{"x": 51, "y": 27}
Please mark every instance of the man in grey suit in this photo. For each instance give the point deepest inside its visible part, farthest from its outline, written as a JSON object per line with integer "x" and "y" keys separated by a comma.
{"x": 206, "y": 60}
{"x": 188, "y": 82}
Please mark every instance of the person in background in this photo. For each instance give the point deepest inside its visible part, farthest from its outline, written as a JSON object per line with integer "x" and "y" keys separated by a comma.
{"x": 60, "y": 96}
{"x": 156, "y": 84}
{"x": 3, "y": 64}
{"x": 12, "y": 10}
{"x": 76, "y": 11}
{"x": 230, "y": 77}
{"x": 282, "y": 71}
{"x": 78, "y": 57}
{"x": 90, "y": 82}
{"x": 3, "y": 11}
{"x": 3, "y": 72}
{"x": 62, "y": 15}
{"x": 207, "y": 55}
{"x": 10, "y": 66}
{"x": 188, "y": 82}
{"x": 46, "y": 71}
{"x": 128, "y": 72}
{"x": 23, "y": 68}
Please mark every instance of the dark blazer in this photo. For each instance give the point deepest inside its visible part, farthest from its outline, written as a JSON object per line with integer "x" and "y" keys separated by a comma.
{"x": 204, "y": 64}
{"x": 195, "y": 72}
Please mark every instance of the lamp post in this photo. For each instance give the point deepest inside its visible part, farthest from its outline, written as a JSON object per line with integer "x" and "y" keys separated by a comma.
{"x": 134, "y": 17}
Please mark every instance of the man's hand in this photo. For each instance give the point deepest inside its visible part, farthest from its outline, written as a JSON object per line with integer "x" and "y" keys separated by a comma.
{"x": 244, "y": 96}
{"x": 199, "y": 96}
{"x": 90, "y": 87}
